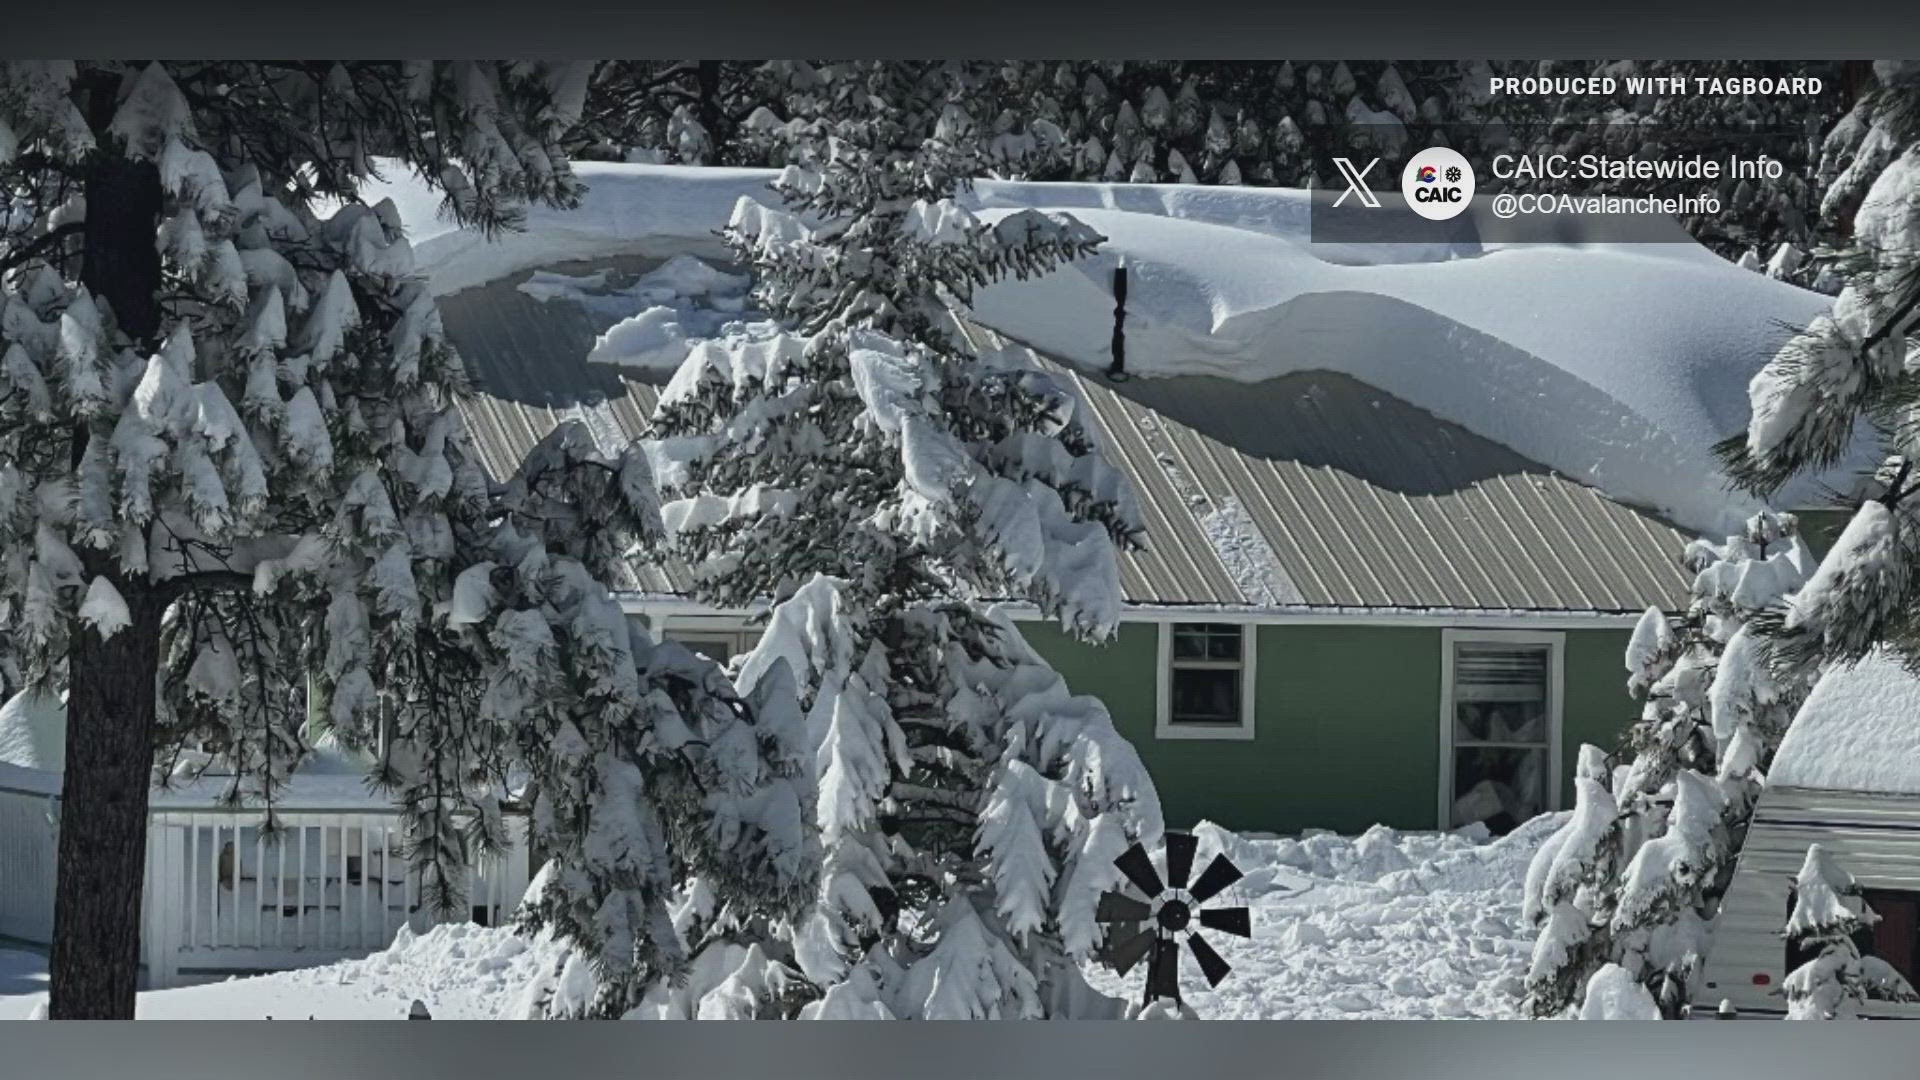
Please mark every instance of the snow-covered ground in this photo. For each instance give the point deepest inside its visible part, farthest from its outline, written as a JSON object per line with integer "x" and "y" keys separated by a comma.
{"x": 1386, "y": 925}
{"x": 460, "y": 972}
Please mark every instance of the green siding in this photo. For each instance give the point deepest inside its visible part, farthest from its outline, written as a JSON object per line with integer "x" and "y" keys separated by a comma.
{"x": 1820, "y": 526}
{"x": 1347, "y": 722}
{"x": 1597, "y": 709}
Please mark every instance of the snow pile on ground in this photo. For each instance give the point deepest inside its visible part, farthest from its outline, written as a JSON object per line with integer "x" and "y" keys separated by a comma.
{"x": 1383, "y": 925}
{"x": 459, "y": 971}
{"x": 657, "y": 313}
{"x": 1387, "y": 925}
{"x": 1857, "y": 731}
{"x": 1616, "y": 364}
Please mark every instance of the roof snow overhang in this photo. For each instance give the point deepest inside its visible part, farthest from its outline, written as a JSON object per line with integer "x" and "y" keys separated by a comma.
{"x": 1308, "y": 496}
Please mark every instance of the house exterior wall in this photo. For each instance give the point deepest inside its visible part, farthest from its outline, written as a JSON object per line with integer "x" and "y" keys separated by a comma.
{"x": 1598, "y": 709}
{"x": 1347, "y": 719}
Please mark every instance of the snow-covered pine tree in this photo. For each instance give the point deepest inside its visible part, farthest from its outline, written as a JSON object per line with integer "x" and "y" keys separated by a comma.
{"x": 1828, "y": 911}
{"x": 649, "y": 771}
{"x": 1569, "y": 892}
{"x": 233, "y": 487}
{"x": 1740, "y": 587}
{"x": 1850, "y": 369}
{"x": 881, "y": 473}
{"x": 1714, "y": 712}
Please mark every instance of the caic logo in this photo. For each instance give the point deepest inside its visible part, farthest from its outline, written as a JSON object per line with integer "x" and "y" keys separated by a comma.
{"x": 1438, "y": 183}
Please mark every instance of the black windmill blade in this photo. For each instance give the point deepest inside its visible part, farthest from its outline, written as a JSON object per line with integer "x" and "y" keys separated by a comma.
{"x": 1181, "y": 847}
{"x": 1170, "y": 913}
{"x": 1137, "y": 865}
{"x": 1219, "y": 874}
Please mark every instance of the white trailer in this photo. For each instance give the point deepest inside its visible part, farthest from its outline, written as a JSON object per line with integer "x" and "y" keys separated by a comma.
{"x": 1847, "y": 776}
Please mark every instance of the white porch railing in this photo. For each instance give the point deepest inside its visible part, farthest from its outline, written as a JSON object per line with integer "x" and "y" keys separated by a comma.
{"x": 223, "y": 896}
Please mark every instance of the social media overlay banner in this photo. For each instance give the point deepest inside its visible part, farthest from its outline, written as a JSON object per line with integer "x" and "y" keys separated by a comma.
{"x": 1559, "y": 183}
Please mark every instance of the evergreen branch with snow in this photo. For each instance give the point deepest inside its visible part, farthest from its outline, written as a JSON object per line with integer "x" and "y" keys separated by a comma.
{"x": 880, "y": 474}
{"x": 233, "y": 470}
{"x": 1828, "y": 912}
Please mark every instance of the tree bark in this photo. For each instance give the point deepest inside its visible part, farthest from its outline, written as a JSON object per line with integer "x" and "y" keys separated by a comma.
{"x": 95, "y": 965}
{"x": 707, "y": 77}
{"x": 103, "y": 817}
{"x": 121, "y": 263}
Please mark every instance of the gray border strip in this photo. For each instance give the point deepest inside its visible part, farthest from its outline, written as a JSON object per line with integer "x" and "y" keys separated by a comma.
{"x": 1115, "y": 29}
{"x": 1324, "y": 1050}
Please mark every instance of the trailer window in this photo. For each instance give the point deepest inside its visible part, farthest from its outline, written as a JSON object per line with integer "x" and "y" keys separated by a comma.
{"x": 1895, "y": 938}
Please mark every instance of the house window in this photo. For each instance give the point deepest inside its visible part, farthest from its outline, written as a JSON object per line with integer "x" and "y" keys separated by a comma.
{"x": 1895, "y": 938}
{"x": 1206, "y": 681}
{"x": 718, "y": 638}
{"x": 1500, "y": 727}
{"x": 718, "y": 648}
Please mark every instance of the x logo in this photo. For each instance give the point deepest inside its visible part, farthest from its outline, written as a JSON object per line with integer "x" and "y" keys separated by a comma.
{"x": 1356, "y": 181}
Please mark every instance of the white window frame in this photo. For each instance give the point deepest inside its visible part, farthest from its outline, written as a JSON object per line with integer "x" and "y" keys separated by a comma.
{"x": 1556, "y": 643}
{"x": 740, "y": 634}
{"x": 1163, "y": 726}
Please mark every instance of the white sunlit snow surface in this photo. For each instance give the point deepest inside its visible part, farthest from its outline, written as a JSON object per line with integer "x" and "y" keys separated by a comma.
{"x": 1385, "y": 925}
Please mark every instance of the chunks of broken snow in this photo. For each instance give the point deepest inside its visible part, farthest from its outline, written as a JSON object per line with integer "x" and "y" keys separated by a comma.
{"x": 1382, "y": 925}
{"x": 657, "y": 315}
{"x": 1333, "y": 938}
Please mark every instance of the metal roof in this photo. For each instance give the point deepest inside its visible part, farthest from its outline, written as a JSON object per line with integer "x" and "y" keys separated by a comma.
{"x": 528, "y": 360}
{"x": 1361, "y": 499}
{"x": 1308, "y": 491}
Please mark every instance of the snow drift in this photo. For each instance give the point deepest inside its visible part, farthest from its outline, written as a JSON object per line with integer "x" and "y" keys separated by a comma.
{"x": 1616, "y": 364}
{"x": 1387, "y": 925}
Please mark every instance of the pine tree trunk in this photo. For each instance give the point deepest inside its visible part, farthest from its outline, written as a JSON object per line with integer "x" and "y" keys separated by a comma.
{"x": 122, "y": 263}
{"x": 95, "y": 965}
{"x": 103, "y": 817}
{"x": 707, "y": 77}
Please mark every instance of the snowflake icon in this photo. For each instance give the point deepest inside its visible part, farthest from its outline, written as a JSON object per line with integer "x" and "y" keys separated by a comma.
{"x": 1453, "y": 175}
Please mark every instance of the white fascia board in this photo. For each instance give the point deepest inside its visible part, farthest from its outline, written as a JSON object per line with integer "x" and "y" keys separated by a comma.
{"x": 1265, "y": 616}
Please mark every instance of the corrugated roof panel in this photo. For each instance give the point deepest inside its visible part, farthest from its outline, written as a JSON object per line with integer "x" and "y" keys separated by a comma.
{"x": 527, "y": 361}
{"x": 1364, "y": 500}
{"x": 1291, "y": 542}
{"x": 1179, "y": 562}
{"x": 1572, "y": 513}
{"x": 1480, "y": 574}
{"x": 1368, "y": 501}
{"x": 1573, "y": 585}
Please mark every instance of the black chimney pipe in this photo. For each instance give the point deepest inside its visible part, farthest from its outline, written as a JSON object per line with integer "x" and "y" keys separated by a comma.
{"x": 1117, "y": 371}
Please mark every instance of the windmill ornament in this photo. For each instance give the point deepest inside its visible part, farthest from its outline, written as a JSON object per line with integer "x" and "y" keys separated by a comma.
{"x": 1173, "y": 912}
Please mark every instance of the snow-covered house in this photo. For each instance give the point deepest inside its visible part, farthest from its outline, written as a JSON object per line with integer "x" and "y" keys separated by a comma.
{"x": 1403, "y": 504}
{"x": 221, "y": 896}
{"x": 1847, "y": 777}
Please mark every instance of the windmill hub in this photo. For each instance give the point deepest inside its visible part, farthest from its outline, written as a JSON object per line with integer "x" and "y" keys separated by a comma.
{"x": 1174, "y": 916}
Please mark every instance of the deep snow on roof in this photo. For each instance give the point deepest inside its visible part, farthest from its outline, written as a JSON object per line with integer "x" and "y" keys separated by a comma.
{"x": 1618, "y": 365}
{"x": 1859, "y": 731}
{"x": 1308, "y": 491}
